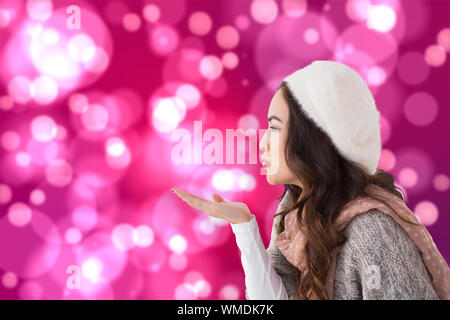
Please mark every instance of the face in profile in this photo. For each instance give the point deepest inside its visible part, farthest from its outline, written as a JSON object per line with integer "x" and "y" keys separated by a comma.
{"x": 273, "y": 143}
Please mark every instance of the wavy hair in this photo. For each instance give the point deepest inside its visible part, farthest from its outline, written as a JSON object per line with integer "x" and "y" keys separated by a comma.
{"x": 329, "y": 181}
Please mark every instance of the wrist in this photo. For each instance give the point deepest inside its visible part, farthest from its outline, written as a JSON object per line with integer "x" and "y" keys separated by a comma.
{"x": 244, "y": 219}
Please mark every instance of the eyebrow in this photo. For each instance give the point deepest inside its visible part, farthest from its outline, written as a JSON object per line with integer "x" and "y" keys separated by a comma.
{"x": 275, "y": 118}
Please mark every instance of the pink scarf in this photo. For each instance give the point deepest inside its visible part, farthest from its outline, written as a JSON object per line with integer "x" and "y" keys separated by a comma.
{"x": 291, "y": 241}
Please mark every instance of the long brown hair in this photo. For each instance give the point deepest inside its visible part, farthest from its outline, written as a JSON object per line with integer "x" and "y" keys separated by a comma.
{"x": 329, "y": 181}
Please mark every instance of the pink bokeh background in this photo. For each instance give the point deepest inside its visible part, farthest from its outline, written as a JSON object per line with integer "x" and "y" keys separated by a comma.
{"x": 91, "y": 93}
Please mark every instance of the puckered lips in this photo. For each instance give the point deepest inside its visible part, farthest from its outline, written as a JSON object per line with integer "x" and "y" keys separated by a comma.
{"x": 264, "y": 161}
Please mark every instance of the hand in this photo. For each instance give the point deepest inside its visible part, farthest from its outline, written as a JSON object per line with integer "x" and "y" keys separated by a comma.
{"x": 234, "y": 212}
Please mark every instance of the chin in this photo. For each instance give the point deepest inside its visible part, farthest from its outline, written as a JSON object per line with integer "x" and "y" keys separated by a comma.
{"x": 272, "y": 180}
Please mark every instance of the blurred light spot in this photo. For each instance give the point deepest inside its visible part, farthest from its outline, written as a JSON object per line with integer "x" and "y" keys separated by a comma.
{"x": 184, "y": 292}
{"x": 177, "y": 261}
{"x": 435, "y": 55}
{"x": 50, "y": 36}
{"x": 441, "y": 182}
{"x": 42, "y": 153}
{"x": 19, "y": 214}
{"x": 246, "y": 182}
{"x": 357, "y": 10}
{"x": 39, "y": 9}
{"x": 95, "y": 117}
{"x": 177, "y": 244}
{"x": 420, "y": 162}
{"x": 19, "y": 88}
{"x": 143, "y": 236}
{"x": 211, "y": 67}
{"x": 37, "y": 197}
{"x": 23, "y": 159}
{"x": 230, "y": 60}
{"x": 122, "y": 237}
{"x": 381, "y": 18}
{"x": 229, "y": 292}
{"x": 376, "y": 76}
{"x": 443, "y": 39}
{"x": 151, "y": 13}
{"x": 99, "y": 61}
{"x": 121, "y": 159}
{"x": 34, "y": 30}
{"x": 264, "y": 11}
{"x": 189, "y": 94}
{"x": 223, "y": 180}
{"x": 61, "y": 133}
{"x": 5, "y": 193}
{"x": 58, "y": 173}
{"x": 43, "y": 128}
{"x": 44, "y": 90}
{"x": 168, "y": 113}
{"x": 207, "y": 226}
{"x": 73, "y": 235}
{"x": 242, "y": 22}
{"x": 426, "y": 212}
{"x": 163, "y": 39}
{"x": 311, "y": 36}
{"x": 201, "y": 288}
{"x": 197, "y": 283}
{"x": 9, "y": 280}
{"x": 81, "y": 47}
{"x": 227, "y": 37}
{"x": 415, "y": 110}
{"x": 131, "y": 22}
{"x": 52, "y": 60}
{"x": 6, "y": 102}
{"x": 10, "y": 140}
{"x": 115, "y": 146}
{"x": 408, "y": 177}
{"x": 200, "y": 23}
{"x": 92, "y": 269}
{"x": 78, "y": 103}
{"x": 294, "y": 8}
{"x": 248, "y": 121}
{"x": 84, "y": 217}
{"x": 5, "y": 18}
{"x": 387, "y": 160}
{"x": 149, "y": 259}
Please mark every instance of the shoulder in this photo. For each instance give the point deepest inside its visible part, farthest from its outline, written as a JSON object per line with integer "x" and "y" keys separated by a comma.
{"x": 383, "y": 260}
{"x": 375, "y": 228}
{"x": 376, "y": 236}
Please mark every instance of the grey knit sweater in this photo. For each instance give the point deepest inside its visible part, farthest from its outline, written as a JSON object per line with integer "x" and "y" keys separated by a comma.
{"x": 374, "y": 239}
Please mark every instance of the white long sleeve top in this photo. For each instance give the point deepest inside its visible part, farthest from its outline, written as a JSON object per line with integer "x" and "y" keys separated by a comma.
{"x": 261, "y": 280}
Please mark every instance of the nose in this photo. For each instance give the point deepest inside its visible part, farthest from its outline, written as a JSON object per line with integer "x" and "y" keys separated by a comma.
{"x": 263, "y": 142}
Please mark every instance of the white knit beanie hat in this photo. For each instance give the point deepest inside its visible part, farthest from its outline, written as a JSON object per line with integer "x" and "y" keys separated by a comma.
{"x": 337, "y": 99}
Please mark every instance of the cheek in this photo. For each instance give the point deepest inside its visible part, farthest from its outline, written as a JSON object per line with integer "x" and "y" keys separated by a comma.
{"x": 283, "y": 174}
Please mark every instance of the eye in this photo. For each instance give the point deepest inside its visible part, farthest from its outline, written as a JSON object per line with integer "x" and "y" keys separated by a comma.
{"x": 273, "y": 128}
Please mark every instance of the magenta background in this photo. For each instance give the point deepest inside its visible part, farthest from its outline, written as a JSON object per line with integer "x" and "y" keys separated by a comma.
{"x": 134, "y": 197}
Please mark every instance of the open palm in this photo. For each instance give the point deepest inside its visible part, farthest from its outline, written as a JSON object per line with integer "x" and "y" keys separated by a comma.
{"x": 234, "y": 212}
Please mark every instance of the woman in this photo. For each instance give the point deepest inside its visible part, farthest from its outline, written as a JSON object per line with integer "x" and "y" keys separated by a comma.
{"x": 349, "y": 242}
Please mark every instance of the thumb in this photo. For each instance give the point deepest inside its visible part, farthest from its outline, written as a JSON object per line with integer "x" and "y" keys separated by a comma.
{"x": 218, "y": 198}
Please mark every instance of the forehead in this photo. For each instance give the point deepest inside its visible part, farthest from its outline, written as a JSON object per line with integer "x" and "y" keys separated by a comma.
{"x": 278, "y": 106}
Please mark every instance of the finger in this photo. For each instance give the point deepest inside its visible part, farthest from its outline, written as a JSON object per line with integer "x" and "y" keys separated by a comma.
{"x": 185, "y": 194}
{"x": 196, "y": 202}
{"x": 218, "y": 198}
{"x": 208, "y": 207}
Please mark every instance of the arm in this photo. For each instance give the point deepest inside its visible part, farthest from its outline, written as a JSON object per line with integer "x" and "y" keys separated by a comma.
{"x": 261, "y": 279}
{"x": 380, "y": 256}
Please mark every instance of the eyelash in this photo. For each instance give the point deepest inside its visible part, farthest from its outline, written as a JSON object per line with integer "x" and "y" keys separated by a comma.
{"x": 273, "y": 128}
